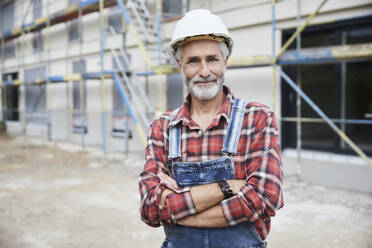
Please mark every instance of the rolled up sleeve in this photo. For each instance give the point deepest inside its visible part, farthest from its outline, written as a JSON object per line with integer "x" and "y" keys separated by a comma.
{"x": 262, "y": 195}
{"x": 178, "y": 204}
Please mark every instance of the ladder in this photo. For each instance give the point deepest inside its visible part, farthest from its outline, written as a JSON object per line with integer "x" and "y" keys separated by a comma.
{"x": 143, "y": 20}
{"x": 132, "y": 83}
{"x": 42, "y": 76}
{"x": 147, "y": 27}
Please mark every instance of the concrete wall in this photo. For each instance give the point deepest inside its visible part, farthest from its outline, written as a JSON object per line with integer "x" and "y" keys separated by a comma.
{"x": 333, "y": 170}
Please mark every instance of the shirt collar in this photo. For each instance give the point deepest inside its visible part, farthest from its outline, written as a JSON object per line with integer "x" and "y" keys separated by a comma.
{"x": 183, "y": 113}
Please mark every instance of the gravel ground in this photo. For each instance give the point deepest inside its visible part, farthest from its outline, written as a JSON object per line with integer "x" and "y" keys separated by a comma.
{"x": 58, "y": 195}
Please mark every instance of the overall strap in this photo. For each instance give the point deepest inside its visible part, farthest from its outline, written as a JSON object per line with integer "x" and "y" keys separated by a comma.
{"x": 174, "y": 138}
{"x": 234, "y": 128}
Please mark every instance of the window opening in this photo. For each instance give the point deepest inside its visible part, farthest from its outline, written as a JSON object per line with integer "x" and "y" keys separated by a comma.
{"x": 7, "y": 24}
{"x": 120, "y": 118}
{"x": 343, "y": 90}
{"x": 172, "y": 9}
{"x": 115, "y": 19}
{"x": 174, "y": 91}
{"x": 11, "y": 98}
{"x": 79, "y": 120}
{"x": 35, "y": 96}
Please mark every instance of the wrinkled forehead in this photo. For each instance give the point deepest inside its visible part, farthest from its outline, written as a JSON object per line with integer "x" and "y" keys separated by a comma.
{"x": 201, "y": 48}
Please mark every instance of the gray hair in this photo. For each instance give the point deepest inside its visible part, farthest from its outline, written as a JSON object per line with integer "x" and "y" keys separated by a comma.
{"x": 222, "y": 45}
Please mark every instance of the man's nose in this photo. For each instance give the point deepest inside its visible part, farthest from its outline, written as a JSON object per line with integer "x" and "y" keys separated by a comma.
{"x": 204, "y": 70}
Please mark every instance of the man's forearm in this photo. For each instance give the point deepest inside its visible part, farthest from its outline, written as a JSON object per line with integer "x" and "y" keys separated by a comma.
{"x": 210, "y": 218}
{"x": 208, "y": 195}
{"x": 206, "y": 200}
{"x": 203, "y": 196}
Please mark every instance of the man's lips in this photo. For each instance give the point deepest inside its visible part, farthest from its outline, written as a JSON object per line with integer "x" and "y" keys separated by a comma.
{"x": 205, "y": 82}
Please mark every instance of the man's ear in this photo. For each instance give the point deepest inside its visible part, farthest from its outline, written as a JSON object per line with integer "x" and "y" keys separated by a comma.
{"x": 179, "y": 63}
{"x": 227, "y": 58}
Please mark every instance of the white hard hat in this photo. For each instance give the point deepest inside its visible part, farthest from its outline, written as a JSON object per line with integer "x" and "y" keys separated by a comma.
{"x": 199, "y": 24}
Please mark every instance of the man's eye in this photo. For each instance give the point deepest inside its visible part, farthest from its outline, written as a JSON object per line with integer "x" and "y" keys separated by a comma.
{"x": 213, "y": 59}
{"x": 192, "y": 61}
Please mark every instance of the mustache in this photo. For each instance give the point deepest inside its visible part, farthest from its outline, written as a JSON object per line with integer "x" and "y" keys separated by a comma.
{"x": 200, "y": 79}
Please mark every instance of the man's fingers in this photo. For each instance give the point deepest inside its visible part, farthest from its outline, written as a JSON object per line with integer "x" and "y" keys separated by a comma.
{"x": 167, "y": 180}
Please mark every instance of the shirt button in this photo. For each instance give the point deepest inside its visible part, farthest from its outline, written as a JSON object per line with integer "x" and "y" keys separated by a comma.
{"x": 200, "y": 132}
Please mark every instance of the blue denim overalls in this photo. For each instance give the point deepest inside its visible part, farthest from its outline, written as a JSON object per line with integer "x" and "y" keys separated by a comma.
{"x": 197, "y": 173}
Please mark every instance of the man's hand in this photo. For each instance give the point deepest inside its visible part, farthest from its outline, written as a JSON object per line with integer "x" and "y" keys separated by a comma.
{"x": 171, "y": 185}
{"x": 206, "y": 199}
{"x": 164, "y": 195}
{"x": 236, "y": 185}
{"x": 168, "y": 181}
{"x": 213, "y": 216}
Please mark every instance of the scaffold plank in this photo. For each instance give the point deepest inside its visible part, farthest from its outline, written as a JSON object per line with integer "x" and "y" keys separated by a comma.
{"x": 330, "y": 54}
{"x": 327, "y": 54}
{"x": 65, "y": 15}
{"x": 249, "y": 61}
{"x": 303, "y": 56}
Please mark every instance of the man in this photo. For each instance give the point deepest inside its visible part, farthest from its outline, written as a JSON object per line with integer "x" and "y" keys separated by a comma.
{"x": 213, "y": 172}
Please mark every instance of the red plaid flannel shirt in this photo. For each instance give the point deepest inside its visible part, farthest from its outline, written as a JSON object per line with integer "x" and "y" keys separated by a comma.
{"x": 258, "y": 161}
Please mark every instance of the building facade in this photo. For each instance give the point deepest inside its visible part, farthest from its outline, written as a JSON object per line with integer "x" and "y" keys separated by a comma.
{"x": 58, "y": 78}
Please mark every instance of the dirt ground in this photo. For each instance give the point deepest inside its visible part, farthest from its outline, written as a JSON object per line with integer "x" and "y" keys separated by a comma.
{"x": 58, "y": 195}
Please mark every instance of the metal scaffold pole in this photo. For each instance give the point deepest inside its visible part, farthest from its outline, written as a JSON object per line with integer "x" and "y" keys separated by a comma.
{"x": 127, "y": 63}
{"x": 133, "y": 30}
{"x": 75, "y": 11}
{"x": 160, "y": 107}
{"x": 131, "y": 112}
{"x": 83, "y": 106}
{"x": 49, "y": 127}
{"x": 298, "y": 99}
{"x": 159, "y": 35}
{"x": 102, "y": 83}
{"x": 324, "y": 116}
{"x": 273, "y": 76}
{"x": 2, "y": 88}
{"x": 299, "y": 30}
{"x": 23, "y": 116}
{"x": 303, "y": 95}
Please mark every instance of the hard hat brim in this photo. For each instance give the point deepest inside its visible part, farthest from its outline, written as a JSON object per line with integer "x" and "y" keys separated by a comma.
{"x": 182, "y": 42}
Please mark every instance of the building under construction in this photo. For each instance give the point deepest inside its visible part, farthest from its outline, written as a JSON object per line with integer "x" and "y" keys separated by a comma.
{"x": 96, "y": 72}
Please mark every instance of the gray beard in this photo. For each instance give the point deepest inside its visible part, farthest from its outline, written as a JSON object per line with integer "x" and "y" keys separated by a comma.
{"x": 203, "y": 92}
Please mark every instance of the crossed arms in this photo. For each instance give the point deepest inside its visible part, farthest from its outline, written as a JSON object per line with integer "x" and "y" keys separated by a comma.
{"x": 206, "y": 199}
{"x": 257, "y": 192}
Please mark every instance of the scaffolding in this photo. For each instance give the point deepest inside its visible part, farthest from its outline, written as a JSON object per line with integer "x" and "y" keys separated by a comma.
{"x": 137, "y": 21}
{"x": 140, "y": 24}
{"x": 307, "y": 56}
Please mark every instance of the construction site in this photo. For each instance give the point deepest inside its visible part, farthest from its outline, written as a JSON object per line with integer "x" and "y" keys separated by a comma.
{"x": 81, "y": 81}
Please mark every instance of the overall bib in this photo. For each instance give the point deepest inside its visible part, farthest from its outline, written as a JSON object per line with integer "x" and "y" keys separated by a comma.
{"x": 197, "y": 173}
